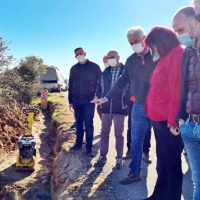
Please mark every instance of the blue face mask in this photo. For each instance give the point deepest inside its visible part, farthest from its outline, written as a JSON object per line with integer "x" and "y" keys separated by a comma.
{"x": 155, "y": 55}
{"x": 185, "y": 39}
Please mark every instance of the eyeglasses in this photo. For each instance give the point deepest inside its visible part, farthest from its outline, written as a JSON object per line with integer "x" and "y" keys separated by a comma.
{"x": 197, "y": 17}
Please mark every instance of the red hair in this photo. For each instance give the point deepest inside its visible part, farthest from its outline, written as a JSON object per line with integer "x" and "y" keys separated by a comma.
{"x": 164, "y": 39}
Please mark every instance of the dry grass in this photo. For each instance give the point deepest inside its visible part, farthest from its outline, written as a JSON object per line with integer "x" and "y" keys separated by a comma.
{"x": 52, "y": 97}
{"x": 61, "y": 111}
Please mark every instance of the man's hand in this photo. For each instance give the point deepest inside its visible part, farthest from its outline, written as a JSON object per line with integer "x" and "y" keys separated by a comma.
{"x": 99, "y": 101}
{"x": 71, "y": 107}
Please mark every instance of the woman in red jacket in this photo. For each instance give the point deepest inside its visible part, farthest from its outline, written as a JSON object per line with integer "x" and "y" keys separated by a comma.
{"x": 162, "y": 105}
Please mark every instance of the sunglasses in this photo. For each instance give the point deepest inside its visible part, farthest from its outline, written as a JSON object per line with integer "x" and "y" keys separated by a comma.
{"x": 197, "y": 17}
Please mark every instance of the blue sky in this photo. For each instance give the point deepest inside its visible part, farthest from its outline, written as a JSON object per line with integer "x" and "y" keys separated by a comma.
{"x": 52, "y": 29}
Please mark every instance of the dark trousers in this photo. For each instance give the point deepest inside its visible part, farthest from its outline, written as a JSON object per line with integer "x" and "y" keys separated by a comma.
{"x": 84, "y": 112}
{"x": 168, "y": 150}
{"x": 147, "y": 139}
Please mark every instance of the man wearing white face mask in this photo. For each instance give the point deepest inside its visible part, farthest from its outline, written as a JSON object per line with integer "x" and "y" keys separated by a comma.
{"x": 82, "y": 88}
{"x": 114, "y": 110}
{"x": 105, "y": 61}
{"x": 137, "y": 71}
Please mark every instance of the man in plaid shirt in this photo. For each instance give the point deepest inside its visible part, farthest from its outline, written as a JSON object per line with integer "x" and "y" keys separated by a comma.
{"x": 114, "y": 74}
{"x": 114, "y": 110}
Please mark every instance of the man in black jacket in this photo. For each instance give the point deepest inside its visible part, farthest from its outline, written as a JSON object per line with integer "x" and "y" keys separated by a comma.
{"x": 82, "y": 88}
{"x": 114, "y": 110}
{"x": 137, "y": 72}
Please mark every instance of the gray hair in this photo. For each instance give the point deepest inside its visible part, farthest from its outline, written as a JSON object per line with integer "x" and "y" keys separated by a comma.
{"x": 133, "y": 30}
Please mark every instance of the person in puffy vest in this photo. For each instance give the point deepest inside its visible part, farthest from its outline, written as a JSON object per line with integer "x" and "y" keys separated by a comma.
{"x": 188, "y": 117}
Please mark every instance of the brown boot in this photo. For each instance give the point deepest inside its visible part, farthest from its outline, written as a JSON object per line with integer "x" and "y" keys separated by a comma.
{"x": 146, "y": 158}
{"x": 130, "y": 178}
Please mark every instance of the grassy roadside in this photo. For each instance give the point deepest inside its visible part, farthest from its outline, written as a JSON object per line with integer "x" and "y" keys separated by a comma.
{"x": 61, "y": 114}
{"x": 52, "y": 97}
{"x": 73, "y": 170}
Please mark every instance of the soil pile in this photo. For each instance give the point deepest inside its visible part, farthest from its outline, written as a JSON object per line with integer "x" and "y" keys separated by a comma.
{"x": 13, "y": 124}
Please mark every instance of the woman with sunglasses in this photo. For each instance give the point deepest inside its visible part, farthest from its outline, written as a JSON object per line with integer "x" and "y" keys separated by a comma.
{"x": 162, "y": 104}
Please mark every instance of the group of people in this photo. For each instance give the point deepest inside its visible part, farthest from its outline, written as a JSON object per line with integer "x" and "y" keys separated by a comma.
{"x": 158, "y": 86}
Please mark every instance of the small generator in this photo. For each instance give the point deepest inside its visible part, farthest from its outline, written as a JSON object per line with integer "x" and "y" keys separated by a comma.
{"x": 26, "y": 159}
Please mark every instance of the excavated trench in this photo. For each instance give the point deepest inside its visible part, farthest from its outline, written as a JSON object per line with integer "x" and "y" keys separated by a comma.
{"x": 60, "y": 174}
{"x": 28, "y": 185}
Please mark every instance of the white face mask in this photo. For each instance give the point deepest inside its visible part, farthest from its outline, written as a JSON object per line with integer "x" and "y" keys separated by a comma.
{"x": 137, "y": 48}
{"x": 106, "y": 65}
{"x": 112, "y": 62}
{"x": 80, "y": 58}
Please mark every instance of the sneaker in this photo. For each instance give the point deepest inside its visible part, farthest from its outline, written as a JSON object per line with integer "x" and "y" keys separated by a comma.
{"x": 146, "y": 158}
{"x": 90, "y": 152}
{"x": 130, "y": 178}
{"x": 76, "y": 147}
{"x": 127, "y": 156}
{"x": 101, "y": 161}
{"x": 119, "y": 163}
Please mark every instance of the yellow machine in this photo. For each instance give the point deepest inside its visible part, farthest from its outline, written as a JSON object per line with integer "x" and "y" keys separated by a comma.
{"x": 26, "y": 160}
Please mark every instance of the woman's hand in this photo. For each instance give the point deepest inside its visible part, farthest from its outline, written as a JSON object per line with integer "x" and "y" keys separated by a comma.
{"x": 174, "y": 130}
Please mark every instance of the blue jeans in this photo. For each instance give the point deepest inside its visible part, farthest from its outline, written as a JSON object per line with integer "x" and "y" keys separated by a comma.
{"x": 139, "y": 125}
{"x": 191, "y": 136}
{"x": 147, "y": 139}
{"x": 84, "y": 112}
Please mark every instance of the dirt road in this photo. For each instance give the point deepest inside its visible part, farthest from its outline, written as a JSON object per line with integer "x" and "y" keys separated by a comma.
{"x": 26, "y": 185}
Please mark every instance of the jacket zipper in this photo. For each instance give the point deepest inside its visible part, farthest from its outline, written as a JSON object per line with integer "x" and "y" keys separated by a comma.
{"x": 196, "y": 80}
{"x": 111, "y": 107}
{"x": 145, "y": 103}
{"x": 111, "y": 99}
{"x": 81, "y": 81}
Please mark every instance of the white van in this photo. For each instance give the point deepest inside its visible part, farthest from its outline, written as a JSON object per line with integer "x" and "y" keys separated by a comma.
{"x": 53, "y": 80}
